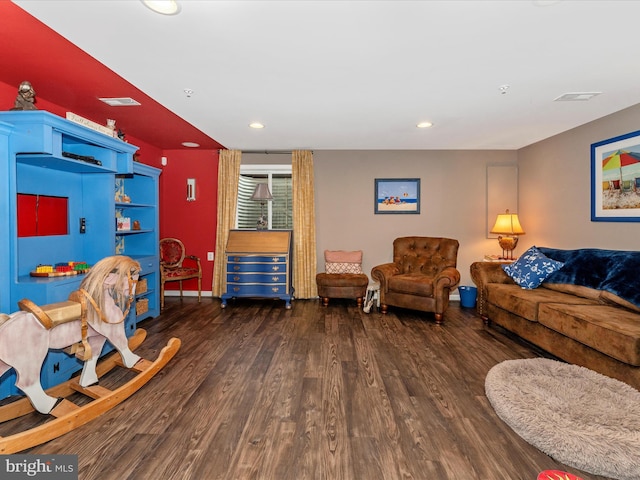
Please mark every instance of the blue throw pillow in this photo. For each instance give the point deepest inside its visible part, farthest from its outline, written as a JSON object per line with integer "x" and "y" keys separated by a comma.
{"x": 532, "y": 268}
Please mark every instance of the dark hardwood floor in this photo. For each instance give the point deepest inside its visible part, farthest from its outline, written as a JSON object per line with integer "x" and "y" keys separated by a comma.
{"x": 261, "y": 392}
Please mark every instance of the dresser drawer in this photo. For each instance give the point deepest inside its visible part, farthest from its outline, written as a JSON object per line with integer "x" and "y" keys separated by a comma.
{"x": 256, "y": 278}
{"x": 257, "y": 267}
{"x": 256, "y": 290}
{"x": 257, "y": 258}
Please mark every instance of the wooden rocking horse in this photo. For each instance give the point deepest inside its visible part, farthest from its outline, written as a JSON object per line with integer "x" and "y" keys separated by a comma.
{"x": 93, "y": 314}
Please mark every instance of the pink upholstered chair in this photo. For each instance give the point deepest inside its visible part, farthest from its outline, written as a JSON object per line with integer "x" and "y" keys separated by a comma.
{"x": 172, "y": 267}
{"x": 343, "y": 277}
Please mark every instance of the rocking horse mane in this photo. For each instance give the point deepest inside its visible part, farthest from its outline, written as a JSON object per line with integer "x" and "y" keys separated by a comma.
{"x": 121, "y": 265}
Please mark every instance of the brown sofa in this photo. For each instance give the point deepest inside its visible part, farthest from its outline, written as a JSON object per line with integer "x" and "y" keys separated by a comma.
{"x": 576, "y": 315}
{"x": 421, "y": 276}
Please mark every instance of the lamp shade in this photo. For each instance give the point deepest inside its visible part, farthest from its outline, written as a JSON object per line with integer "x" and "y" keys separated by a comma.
{"x": 507, "y": 224}
{"x": 261, "y": 193}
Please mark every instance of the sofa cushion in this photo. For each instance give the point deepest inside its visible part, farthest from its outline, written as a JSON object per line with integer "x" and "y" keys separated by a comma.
{"x": 525, "y": 303}
{"x": 615, "y": 271}
{"x": 611, "y": 299}
{"x": 577, "y": 290}
{"x": 532, "y": 268}
{"x": 611, "y": 330}
{"x": 412, "y": 284}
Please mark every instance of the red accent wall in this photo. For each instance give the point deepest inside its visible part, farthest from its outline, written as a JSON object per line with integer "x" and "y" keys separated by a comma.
{"x": 192, "y": 222}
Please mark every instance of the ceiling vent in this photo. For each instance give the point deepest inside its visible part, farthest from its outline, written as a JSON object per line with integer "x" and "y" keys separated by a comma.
{"x": 120, "y": 102}
{"x": 576, "y": 96}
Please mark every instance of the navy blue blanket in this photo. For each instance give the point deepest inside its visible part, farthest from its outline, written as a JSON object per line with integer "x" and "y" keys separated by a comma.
{"x": 615, "y": 271}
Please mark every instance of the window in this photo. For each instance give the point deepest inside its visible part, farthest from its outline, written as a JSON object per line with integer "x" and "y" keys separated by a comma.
{"x": 279, "y": 211}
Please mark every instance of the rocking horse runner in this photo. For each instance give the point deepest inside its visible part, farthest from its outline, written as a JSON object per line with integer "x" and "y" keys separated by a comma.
{"x": 93, "y": 314}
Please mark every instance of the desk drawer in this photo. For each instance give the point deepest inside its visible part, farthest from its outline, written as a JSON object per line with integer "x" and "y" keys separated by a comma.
{"x": 257, "y": 267}
{"x": 255, "y": 290}
{"x": 257, "y": 259}
{"x": 256, "y": 278}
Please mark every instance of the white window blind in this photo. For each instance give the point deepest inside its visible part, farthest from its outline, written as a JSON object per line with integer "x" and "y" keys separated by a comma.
{"x": 279, "y": 211}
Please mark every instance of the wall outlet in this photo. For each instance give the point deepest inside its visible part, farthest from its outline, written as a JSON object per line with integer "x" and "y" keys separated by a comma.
{"x": 210, "y": 256}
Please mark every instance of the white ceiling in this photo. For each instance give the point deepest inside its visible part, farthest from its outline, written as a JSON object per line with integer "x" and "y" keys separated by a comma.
{"x": 362, "y": 74}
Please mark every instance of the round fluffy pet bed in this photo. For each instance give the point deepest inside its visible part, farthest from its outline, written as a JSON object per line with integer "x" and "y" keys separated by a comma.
{"x": 575, "y": 415}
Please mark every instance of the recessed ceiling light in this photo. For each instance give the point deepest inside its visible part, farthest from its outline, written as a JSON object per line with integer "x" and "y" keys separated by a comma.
{"x": 190, "y": 144}
{"x": 576, "y": 96}
{"x": 256, "y": 125}
{"x": 545, "y": 3}
{"x": 164, "y": 7}
{"x": 424, "y": 125}
{"x": 120, "y": 102}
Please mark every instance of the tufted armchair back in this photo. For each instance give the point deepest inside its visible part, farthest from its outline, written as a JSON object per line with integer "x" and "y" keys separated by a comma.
{"x": 424, "y": 255}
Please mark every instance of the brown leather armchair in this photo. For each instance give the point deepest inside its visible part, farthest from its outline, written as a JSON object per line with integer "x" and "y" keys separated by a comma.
{"x": 421, "y": 276}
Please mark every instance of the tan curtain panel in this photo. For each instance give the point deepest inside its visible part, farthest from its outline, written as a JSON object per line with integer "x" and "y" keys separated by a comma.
{"x": 304, "y": 225}
{"x": 228, "y": 178}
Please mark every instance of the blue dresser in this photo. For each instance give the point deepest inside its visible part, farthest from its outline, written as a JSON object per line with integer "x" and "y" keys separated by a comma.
{"x": 258, "y": 265}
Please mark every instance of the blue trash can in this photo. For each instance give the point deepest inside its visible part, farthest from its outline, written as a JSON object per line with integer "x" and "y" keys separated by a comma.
{"x": 468, "y": 296}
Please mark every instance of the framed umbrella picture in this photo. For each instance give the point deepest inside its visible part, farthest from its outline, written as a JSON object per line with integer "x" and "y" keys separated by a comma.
{"x": 615, "y": 179}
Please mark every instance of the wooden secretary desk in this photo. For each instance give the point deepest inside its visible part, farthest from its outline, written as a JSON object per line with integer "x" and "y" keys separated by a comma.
{"x": 258, "y": 265}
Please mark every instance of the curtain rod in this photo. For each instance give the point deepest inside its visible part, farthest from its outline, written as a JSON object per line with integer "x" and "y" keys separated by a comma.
{"x": 267, "y": 152}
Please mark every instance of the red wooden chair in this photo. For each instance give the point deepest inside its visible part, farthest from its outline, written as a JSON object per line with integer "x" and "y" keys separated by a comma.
{"x": 172, "y": 269}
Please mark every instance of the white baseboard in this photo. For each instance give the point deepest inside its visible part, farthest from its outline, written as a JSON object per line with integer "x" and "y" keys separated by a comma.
{"x": 187, "y": 293}
{"x": 194, "y": 293}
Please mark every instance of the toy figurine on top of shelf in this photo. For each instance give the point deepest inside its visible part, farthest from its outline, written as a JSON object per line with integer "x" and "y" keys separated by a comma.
{"x": 111, "y": 124}
{"x": 26, "y": 97}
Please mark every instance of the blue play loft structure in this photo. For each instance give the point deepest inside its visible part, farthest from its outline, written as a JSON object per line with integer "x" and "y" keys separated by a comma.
{"x": 88, "y": 173}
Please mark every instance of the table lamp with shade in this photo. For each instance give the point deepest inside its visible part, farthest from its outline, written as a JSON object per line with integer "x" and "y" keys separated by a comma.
{"x": 262, "y": 194}
{"x": 507, "y": 227}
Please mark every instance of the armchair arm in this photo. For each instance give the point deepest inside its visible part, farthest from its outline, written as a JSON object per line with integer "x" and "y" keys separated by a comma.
{"x": 483, "y": 273}
{"x": 447, "y": 278}
{"x": 381, "y": 274}
{"x": 195, "y": 259}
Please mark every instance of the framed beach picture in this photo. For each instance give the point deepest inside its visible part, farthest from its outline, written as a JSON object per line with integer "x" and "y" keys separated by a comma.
{"x": 397, "y": 195}
{"x": 615, "y": 179}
